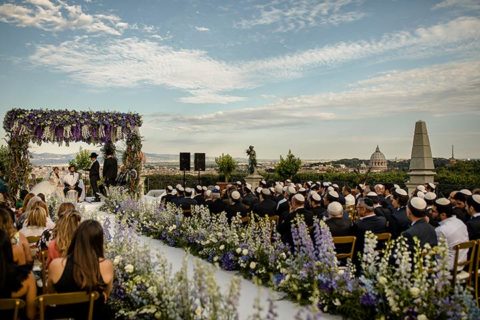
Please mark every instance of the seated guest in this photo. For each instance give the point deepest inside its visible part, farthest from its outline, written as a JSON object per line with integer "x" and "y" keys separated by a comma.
{"x": 71, "y": 181}
{"x": 208, "y": 200}
{"x": 419, "y": 228}
{"x": 168, "y": 198}
{"x": 32, "y": 205}
{"x": 26, "y": 199}
{"x": 473, "y": 224}
{"x": 316, "y": 205}
{"x": 459, "y": 206}
{"x": 330, "y": 196}
{"x": 267, "y": 206}
{"x": 297, "y": 208}
{"x": 83, "y": 269}
{"x": 199, "y": 197}
{"x": 236, "y": 206}
{"x": 368, "y": 221}
{"x": 452, "y": 229}
{"x": 398, "y": 220}
{"x": 430, "y": 198}
{"x": 377, "y": 206}
{"x": 339, "y": 226}
{"x": 283, "y": 206}
{"x": 46, "y": 236}
{"x": 36, "y": 223}
{"x": 249, "y": 200}
{"x": 15, "y": 281}
{"x": 63, "y": 233}
{"x": 186, "y": 203}
{"x": 20, "y": 246}
{"x": 217, "y": 206}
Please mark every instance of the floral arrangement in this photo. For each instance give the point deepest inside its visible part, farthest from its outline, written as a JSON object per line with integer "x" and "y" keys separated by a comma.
{"x": 414, "y": 287}
{"x": 44, "y": 125}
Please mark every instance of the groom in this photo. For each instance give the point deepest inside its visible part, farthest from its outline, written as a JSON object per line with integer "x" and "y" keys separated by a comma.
{"x": 94, "y": 175}
{"x": 71, "y": 181}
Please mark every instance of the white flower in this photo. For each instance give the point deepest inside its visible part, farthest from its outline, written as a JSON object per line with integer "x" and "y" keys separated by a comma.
{"x": 129, "y": 268}
{"x": 158, "y": 315}
{"x": 239, "y": 250}
{"x": 422, "y": 317}
{"x": 222, "y": 247}
{"x": 382, "y": 280}
{"x": 245, "y": 252}
{"x": 198, "y": 311}
{"x": 152, "y": 291}
{"x": 414, "y": 292}
{"x": 117, "y": 260}
{"x": 215, "y": 258}
{"x": 253, "y": 264}
{"x": 337, "y": 302}
{"x": 283, "y": 255}
{"x": 341, "y": 272}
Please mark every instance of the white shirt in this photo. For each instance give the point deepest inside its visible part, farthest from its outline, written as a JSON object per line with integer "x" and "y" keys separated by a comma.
{"x": 70, "y": 179}
{"x": 454, "y": 231}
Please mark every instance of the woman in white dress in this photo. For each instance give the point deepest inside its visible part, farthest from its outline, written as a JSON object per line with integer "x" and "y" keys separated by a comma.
{"x": 51, "y": 187}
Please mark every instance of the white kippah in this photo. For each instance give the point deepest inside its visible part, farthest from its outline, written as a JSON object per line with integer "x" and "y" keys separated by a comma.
{"x": 180, "y": 189}
{"x": 235, "y": 195}
{"x": 315, "y": 196}
{"x": 266, "y": 192}
{"x": 178, "y": 186}
{"x": 204, "y": 188}
{"x": 278, "y": 188}
{"x": 333, "y": 193}
{"x": 335, "y": 185}
{"x": 421, "y": 188}
{"x": 169, "y": 188}
{"x": 476, "y": 198}
{"x": 302, "y": 190}
{"x": 418, "y": 203}
{"x": 396, "y": 186}
{"x": 443, "y": 202}
{"x": 430, "y": 196}
{"x": 188, "y": 190}
{"x": 174, "y": 192}
{"x": 349, "y": 200}
{"x": 431, "y": 185}
{"x": 239, "y": 183}
{"x": 299, "y": 197}
{"x": 198, "y": 187}
{"x": 208, "y": 193}
{"x": 258, "y": 190}
{"x": 372, "y": 194}
{"x": 325, "y": 184}
{"x": 335, "y": 209}
{"x": 466, "y": 192}
{"x": 291, "y": 190}
{"x": 420, "y": 194}
{"x": 330, "y": 189}
{"x": 401, "y": 192}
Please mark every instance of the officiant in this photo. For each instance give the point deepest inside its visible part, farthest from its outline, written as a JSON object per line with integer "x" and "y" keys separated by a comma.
{"x": 94, "y": 175}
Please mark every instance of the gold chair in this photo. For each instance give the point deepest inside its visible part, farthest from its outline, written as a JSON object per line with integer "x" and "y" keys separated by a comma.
{"x": 345, "y": 240}
{"x": 46, "y": 300}
{"x": 382, "y": 240}
{"x": 43, "y": 260}
{"x": 464, "y": 276}
{"x": 33, "y": 239}
{"x": 275, "y": 219}
{"x": 245, "y": 220}
{"x": 12, "y": 304}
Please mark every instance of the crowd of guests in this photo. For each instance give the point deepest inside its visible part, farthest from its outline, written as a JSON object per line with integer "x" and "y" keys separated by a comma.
{"x": 423, "y": 214}
{"x": 75, "y": 251}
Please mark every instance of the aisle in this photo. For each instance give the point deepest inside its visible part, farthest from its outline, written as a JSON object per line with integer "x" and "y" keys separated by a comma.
{"x": 248, "y": 290}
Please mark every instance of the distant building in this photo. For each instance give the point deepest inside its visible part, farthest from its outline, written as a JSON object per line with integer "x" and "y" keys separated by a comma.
{"x": 378, "y": 162}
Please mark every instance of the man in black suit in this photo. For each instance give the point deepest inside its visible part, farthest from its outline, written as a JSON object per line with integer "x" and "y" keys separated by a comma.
{"x": 217, "y": 206}
{"x": 316, "y": 205}
{"x": 199, "y": 197}
{"x": 420, "y": 228}
{"x": 186, "y": 203}
{"x": 284, "y": 227}
{"x": 459, "y": 208}
{"x": 94, "y": 175}
{"x": 267, "y": 206}
{"x": 473, "y": 225}
{"x": 398, "y": 221}
{"x": 110, "y": 168}
{"x": 283, "y": 206}
{"x": 339, "y": 225}
{"x": 236, "y": 206}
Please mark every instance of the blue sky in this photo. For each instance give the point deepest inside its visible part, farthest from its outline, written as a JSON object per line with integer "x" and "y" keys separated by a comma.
{"x": 326, "y": 79}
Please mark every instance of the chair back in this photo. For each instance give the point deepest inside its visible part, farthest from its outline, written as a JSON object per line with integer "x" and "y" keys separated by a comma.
{"x": 44, "y": 260}
{"x": 12, "y": 304}
{"x": 345, "y": 240}
{"x": 274, "y": 218}
{"x": 46, "y": 300}
{"x": 382, "y": 240}
{"x": 466, "y": 264}
{"x": 72, "y": 196}
{"x": 476, "y": 273}
{"x": 33, "y": 239}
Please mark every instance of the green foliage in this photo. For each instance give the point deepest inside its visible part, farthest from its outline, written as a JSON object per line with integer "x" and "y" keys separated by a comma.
{"x": 226, "y": 165}
{"x": 4, "y": 158}
{"x": 82, "y": 160}
{"x": 133, "y": 159}
{"x": 19, "y": 166}
{"x": 288, "y": 167}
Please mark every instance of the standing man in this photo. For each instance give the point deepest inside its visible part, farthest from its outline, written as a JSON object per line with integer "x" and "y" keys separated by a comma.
{"x": 110, "y": 168}
{"x": 94, "y": 175}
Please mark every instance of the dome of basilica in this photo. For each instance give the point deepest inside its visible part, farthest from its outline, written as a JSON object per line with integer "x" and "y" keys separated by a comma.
{"x": 378, "y": 162}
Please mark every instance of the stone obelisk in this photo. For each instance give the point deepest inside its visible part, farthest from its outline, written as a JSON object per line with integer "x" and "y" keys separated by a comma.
{"x": 422, "y": 169}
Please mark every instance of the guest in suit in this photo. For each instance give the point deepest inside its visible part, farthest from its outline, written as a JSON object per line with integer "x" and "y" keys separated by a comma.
{"x": 316, "y": 205}
{"x": 339, "y": 226}
{"x": 459, "y": 208}
{"x": 199, "y": 197}
{"x": 267, "y": 206}
{"x": 217, "y": 206}
{"x": 236, "y": 206}
{"x": 71, "y": 181}
{"x": 283, "y": 206}
{"x": 94, "y": 175}
{"x": 110, "y": 168}
{"x": 473, "y": 225}
{"x": 186, "y": 203}
{"x": 297, "y": 208}
{"x": 419, "y": 228}
{"x": 398, "y": 221}
{"x": 368, "y": 221}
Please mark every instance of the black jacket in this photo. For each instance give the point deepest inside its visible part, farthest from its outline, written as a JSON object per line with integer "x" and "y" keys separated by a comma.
{"x": 94, "y": 171}
{"x": 110, "y": 168}
{"x": 473, "y": 227}
{"x": 217, "y": 206}
{"x": 284, "y": 227}
{"x": 236, "y": 207}
{"x": 340, "y": 227}
{"x": 266, "y": 207}
{"x": 423, "y": 231}
{"x": 398, "y": 222}
{"x": 374, "y": 224}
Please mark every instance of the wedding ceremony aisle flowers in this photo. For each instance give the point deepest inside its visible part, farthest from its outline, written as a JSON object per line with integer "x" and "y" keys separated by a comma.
{"x": 397, "y": 285}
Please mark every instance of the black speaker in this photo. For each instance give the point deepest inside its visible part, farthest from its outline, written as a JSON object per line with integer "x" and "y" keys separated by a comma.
{"x": 199, "y": 161}
{"x": 185, "y": 161}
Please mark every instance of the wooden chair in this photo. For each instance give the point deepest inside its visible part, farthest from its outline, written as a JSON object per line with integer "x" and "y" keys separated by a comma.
{"x": 43, "y": 260}
{"x": 382, "y": 240}
{"x": 59, "y": 299}
{"x": 12, "y": 304}
{"x": 345, "y": 240}
{"x": 245, "y": 220}
{"x": 464, "y": 276}
{"x": 275, "y": 219}
{"x": 476, "y": 273}
{"x": 33, "y": 239}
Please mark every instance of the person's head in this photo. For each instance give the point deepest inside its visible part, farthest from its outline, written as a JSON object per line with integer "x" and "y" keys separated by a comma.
{"x": 473, "y": 204}
{"x": 236, "y": 197}
{"x": 379, "y": 189}
{"x": 93, "y": 156}
{"x": 346, "y": 190}
{"x": 442, "y": 208}
{"x": 71, "y": 168}
{"x": 26, "y": 200}
{"x": 37, "y": 217}
{"x": 365, "y": 207}
{"x": 460, "y": 198}
{"x": 399, "y": 198}
{"x": 64, "y": 208}
{"x": 37, "y": 202}
{"x": 64, "y": 230}
{"x": 416, "y": 208}
{"x": 86, "y": 248}
{"x": 430, "y": 198}
{"x": 335, "y": 210}
{"x": 42, "y": 196}
{"x": 315, "y": 199}
{"x": 265, "y": 194}
{"x": 388, "y": 188}
{"x": 331, "y": 196}
{"x": 6, "y": 221}
{"x": 298, "y": 201}
{"x": 56, "y": 170}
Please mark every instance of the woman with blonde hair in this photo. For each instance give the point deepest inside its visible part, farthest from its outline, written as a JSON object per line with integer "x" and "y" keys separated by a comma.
{"x": 20, "y": 246}
{"x": 36, "y": 222}
{"x": 47, "y": 235}
{"x": 63, "y": 233}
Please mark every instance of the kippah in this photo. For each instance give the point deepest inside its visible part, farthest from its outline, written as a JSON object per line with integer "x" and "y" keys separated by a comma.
{"x": 208, "y": 193}
{"x": 266, "y": 192}
{"x": 431, "y": 185}
{"x": 291, "y": 190}
{"x": 302, "y": 190}
{"x": 299, "y": 197}
{"x": 169, "y": 188}
{"x": 349, "y": 200}
{"x": 180, "y": 188}
{"x": 420, "y": 194}
{"x": 174, "y": 192}
{"x": 466, "y": 192}
{"x": 198, "y": 187}
{"x": 421, "y": 188}
{"x": 278, "y": 188}
{"x": 372, "y": 194}
{"x": 325, "y": 184}
{"x": 418, "y": 203}
{"x": 396, "y": 186}
{"x": 204, "y": 188}
{"x": 188, "y": 190}
{"x": 335, "y": 185}
{"x": 442, "y": 202}
{"x": 235, "y": 195}
{"x": 401, "y": 192}
{"x": 239, "y": 183}
{"x": 333, "y": 194}
{"x": 330, "y": 188}
{"x": 335, "y": 207}
{"x": 258, "y": 190}
{"x": 476, "y": 198}
{"x": 315, "y": 196}
{"x": 430, "y": 196}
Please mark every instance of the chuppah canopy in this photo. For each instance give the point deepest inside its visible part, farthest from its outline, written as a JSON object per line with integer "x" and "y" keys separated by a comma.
{"x": 65, "y": 126}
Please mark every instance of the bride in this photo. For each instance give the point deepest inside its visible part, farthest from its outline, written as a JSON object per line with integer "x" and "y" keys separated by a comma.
{"x": 51, "y": 187}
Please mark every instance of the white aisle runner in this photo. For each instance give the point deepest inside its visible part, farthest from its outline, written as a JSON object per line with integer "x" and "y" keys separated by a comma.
{"x": 248, "y": 290}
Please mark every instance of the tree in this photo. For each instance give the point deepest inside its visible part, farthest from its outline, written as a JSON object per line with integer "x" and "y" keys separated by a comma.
{"x": 226, "y": 165}
{"x": 82, "y": 160}
{"x": 4, "y": 158}
{"x": 288, "y": 167}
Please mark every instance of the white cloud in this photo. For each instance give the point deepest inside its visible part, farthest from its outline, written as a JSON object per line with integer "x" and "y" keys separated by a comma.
{"x": 202, "y": 29}
{"x": 298, "y": 14}
{"x": 58, "y": 16}
{"x": 461, "y": 4}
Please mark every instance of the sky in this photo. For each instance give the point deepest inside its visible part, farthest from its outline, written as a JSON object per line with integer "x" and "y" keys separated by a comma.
{"x": 326, "y": 79}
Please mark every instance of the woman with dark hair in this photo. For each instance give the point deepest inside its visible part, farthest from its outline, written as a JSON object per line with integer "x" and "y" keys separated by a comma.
{"x": 83, "y": 269}
{"x": 19, "y": 243}
{"x": 15, "y": 281}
